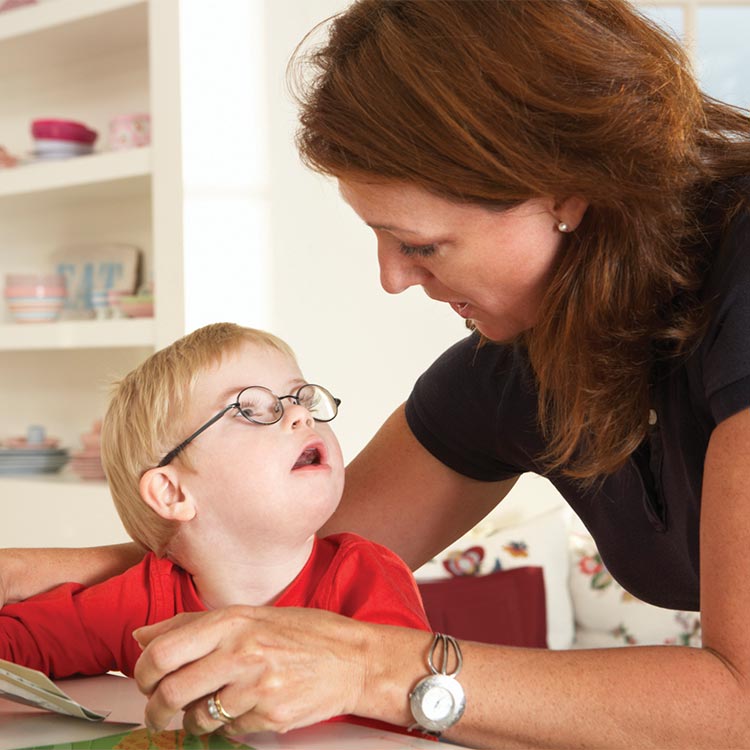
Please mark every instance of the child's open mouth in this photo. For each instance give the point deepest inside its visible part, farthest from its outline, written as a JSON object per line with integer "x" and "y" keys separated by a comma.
{"x": 309, "y": 457}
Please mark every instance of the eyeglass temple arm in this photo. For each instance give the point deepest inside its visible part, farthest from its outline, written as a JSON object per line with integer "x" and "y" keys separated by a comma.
{"x": 175, "y": 451}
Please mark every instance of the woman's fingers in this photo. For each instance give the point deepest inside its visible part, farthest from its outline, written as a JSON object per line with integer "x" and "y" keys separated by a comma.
{"x": 189, "y": 686}
{"x": 144, "y": 635}
{"x": 275, "y": 669}
{"x": 211, "y": 674}
{"x": 170, "y": 645}
{"x": 184, "y": 659}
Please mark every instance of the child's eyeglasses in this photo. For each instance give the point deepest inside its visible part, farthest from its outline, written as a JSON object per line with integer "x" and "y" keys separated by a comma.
{"x": 260, "y": 405}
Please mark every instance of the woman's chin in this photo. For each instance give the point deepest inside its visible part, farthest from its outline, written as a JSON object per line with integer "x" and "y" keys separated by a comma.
{"x": 496, "y": 331}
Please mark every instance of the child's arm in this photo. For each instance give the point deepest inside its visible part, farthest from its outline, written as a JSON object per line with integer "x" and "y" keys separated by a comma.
{"x": 77, "y": 630}
{"x": 26, "y": 572}
{"x": 373, "y": 584}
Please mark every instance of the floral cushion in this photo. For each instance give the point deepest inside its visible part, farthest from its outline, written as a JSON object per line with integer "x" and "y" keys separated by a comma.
{"x": 607, "y": 615}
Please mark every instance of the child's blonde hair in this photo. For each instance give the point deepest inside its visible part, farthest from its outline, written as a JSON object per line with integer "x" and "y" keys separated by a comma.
{"x": 146, "y": 419}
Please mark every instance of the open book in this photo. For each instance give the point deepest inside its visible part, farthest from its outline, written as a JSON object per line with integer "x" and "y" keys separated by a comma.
{"x": 24, "y": 685}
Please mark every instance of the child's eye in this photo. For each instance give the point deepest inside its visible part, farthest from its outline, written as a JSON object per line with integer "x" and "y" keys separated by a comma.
{"x": 423, "y": 251}
{"x": 310, "y": 402}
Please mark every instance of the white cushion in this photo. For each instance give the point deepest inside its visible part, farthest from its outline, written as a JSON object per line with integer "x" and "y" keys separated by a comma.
{"x": 607, "y": 615}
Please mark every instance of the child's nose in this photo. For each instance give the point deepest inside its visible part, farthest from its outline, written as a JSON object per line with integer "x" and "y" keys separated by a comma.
{"x": 298, "y": 415}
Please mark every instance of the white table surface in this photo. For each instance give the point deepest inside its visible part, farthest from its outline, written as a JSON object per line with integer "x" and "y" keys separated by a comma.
{"x": 24, "y": 727}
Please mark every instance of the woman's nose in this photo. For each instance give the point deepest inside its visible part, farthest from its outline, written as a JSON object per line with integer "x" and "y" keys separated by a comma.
{"x": 397, "y": 272}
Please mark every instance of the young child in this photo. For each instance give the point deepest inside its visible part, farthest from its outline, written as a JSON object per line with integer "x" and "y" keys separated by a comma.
{"x": 226, "y": 483}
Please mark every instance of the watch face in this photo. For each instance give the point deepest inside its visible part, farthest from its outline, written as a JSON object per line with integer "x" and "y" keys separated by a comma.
{"x": 437, "y": 703}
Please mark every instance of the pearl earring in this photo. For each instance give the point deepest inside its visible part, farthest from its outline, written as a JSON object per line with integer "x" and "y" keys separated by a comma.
{"x": 562, "y": 227}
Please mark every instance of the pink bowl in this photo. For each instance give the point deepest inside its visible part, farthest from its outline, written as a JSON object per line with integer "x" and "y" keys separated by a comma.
{"x": 137, "y": 306}
{"x": 63, "y": 130}
{"x": 23, "y": 442}
{"x": 40, "y": 291}
{"x": 37, "y": 303}
{"x": 33, "y": 288}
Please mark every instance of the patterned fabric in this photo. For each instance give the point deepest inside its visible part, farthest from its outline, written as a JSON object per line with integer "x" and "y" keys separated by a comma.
{"x": 607, "y": 615}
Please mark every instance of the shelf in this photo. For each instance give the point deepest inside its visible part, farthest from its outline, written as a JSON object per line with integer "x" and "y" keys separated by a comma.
{"x": 78, "y": 334}
{"x": 55, "y": 32}
{"x": 78, "y": 173}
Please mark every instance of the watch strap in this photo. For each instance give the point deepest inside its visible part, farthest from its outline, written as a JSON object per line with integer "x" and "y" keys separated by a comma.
{"x": 440, "y": 681}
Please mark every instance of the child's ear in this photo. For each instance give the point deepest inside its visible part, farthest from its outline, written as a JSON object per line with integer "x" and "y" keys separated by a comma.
{"x": 162, "y": 490}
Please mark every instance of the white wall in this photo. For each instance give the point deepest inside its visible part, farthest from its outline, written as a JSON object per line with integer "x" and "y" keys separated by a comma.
{"x": 366, "y": 346}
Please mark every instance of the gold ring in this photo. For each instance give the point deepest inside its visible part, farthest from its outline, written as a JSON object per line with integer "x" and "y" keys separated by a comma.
{"x": 217, "y": 711}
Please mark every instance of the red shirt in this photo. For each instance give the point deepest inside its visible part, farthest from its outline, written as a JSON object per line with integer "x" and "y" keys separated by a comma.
{"x": 75, "y": 629}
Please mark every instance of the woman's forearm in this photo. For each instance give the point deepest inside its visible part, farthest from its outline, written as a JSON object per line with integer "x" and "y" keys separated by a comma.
{"x": 645, "y": 697}
{"x": 25, "y": 572}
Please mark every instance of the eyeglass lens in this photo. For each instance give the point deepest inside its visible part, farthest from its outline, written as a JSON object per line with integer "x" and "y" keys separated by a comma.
{"x": 260, "y": 405}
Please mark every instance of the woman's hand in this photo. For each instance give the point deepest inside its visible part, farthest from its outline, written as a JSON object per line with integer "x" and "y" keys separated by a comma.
{"x": 4, "y": 598}
{"x": 275, "y": 669}
{"x": 11, "y": 572}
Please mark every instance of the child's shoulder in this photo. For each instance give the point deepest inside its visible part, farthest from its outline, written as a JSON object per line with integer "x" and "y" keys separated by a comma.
{"x": 348, "y": 543}
{"x": 151, "y": 566}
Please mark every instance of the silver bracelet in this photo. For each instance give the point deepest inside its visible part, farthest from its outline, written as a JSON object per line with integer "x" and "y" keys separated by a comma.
{"x": 438, "y": 701}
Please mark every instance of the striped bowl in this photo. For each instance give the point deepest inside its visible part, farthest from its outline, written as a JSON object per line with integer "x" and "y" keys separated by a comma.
{"x": 35, "y": 298}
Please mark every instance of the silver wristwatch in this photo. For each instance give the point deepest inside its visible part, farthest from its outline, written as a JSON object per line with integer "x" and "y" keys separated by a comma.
{"x": 438, "y": 700}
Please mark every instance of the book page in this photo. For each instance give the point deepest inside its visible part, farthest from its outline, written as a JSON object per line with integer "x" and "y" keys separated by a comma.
{"x": 24, "y": 685}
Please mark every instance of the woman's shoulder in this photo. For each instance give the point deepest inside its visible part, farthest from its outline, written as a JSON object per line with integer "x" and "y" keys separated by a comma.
{"x": 721, "y": 363}
{"x": 726, "y": 227}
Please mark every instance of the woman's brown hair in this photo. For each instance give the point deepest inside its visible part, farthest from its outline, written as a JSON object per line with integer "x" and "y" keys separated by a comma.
{"x": 498, "y": 101}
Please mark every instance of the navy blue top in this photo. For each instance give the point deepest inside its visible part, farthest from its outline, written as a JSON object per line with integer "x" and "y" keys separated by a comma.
{"x": 476, "y": 411}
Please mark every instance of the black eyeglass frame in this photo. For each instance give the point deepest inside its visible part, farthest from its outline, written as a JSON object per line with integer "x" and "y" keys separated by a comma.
{"x": 236, "y": 405}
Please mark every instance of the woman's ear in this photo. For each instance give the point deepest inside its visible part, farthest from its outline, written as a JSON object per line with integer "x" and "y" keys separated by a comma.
{"x": 162, "y": 490}
{"x": 571, "y": 210}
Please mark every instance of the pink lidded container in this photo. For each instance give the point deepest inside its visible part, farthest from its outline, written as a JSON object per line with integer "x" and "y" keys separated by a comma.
{"x": 129, "y": 131}
{"x": 63, "y": 130}
{"x": 34, "y": 297}
{"x": 61, "y": 139}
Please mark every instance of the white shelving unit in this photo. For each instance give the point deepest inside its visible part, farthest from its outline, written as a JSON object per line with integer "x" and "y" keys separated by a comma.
{"x": 88, "y": 60}
{"x": 86, "y": 173}
{"x": 77, "y": 334}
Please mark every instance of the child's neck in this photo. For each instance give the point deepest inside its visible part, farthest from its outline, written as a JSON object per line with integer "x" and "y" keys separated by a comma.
{"x": 228, "y": 575}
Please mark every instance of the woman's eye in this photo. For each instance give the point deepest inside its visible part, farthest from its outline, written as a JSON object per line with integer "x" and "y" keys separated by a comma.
{"x": 423, "y": 251}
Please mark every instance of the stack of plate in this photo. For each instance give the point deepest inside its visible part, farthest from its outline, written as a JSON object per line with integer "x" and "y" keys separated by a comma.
{"x": 40, "y": 460}
{"x": 87, "y": 464}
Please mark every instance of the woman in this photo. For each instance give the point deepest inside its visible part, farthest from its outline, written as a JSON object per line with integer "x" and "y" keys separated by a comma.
{"x": 551, "y": 170}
